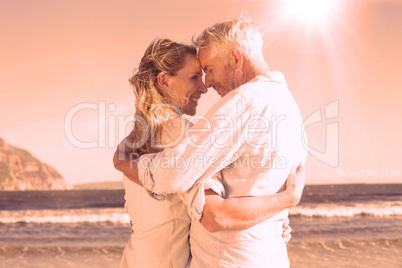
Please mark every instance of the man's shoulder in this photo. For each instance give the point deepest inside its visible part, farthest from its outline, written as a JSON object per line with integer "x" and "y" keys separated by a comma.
{"x": 270, "y": 80}
{"x": 255, "y": 94}
{"x": 226, "y": 104}
{"x": 262, "y": 91}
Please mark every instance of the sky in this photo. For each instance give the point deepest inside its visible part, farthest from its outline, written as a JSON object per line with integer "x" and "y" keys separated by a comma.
{"x": 64, "y": 69}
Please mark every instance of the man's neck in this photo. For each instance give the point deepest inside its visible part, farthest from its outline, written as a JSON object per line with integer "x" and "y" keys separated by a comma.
{"x": 252, "y": 70}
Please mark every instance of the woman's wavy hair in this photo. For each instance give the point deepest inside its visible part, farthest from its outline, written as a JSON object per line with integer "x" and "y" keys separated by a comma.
{"x": 154, "y": 107}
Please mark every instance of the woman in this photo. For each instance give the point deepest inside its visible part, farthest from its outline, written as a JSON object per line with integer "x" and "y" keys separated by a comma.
{"x": 168, "y": 83}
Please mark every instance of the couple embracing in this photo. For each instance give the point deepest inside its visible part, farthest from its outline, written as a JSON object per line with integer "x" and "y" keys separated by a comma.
{"x": 216, "y": 193}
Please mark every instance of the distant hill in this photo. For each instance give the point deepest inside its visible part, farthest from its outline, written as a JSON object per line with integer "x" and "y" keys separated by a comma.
{"x": 107, "y": 185}
{"x": 20, "y": 170}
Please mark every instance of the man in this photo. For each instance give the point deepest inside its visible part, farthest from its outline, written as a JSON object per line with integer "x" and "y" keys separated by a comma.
{"x": 253, "y": 135}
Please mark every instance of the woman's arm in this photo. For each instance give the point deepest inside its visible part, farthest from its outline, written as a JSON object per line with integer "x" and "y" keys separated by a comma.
{"x": 124, "y": 159}
{"x": 244, "y": 212}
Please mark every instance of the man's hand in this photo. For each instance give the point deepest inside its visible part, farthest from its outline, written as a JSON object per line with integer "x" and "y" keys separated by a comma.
{"x": 295, "y": 185}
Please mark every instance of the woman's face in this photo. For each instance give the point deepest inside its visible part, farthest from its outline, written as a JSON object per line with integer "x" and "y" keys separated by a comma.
{"x": 187, "y": 86}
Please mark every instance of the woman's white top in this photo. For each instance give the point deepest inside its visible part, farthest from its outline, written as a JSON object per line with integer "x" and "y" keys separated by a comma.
{"x": 160, "y": 236}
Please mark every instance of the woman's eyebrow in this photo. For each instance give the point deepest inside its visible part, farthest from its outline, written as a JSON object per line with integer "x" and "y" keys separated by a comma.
{"x": 205, "y": 68}
{"x": 195, "y": 73}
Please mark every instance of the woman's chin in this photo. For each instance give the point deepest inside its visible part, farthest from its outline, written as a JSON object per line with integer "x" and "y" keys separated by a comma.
{"x": 191, "y": 111}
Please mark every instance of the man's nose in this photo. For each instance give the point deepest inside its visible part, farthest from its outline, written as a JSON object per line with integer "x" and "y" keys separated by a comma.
{"x": 208, "y": 81}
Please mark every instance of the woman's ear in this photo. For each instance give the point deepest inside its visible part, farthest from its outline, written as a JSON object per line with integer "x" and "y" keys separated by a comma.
{"x": 163, "y": 80}
{"x": 236, "y": 57}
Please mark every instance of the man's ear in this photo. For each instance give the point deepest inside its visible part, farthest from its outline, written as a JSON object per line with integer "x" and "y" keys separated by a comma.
{"x": 163, "y": 80}
{"x": 236, "y": 57}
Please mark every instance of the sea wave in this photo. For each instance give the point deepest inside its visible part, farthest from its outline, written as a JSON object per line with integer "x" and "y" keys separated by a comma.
{"x": 65, "y": 216}
{"x": 118, "y": 215}
{"x": 59, "y": 250}
{"x": 380, "y": 209}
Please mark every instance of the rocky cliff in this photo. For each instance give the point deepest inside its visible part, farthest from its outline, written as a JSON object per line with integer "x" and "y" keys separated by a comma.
{"x": 20, "y": 170}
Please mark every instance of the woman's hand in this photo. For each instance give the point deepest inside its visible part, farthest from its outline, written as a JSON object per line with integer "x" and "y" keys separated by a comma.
{"x": 286, "y": 234}
{"x": 123, "y": 151}
{"x": 295, "y": 185}
{"x": 125, "y": 160}
{"x": 294, "y": 190}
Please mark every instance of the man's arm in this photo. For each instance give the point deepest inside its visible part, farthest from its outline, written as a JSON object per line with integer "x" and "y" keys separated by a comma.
{"x": 244, "y": 212}
{"x": 214, "y": 142}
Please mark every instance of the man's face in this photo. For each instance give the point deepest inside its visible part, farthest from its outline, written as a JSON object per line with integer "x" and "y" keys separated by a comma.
{"x": 222, "y": 77}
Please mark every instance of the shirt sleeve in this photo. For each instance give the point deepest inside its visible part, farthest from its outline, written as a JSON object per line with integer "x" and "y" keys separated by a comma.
{"x": 214, "y": 142}
{"x": 194, "y": 197}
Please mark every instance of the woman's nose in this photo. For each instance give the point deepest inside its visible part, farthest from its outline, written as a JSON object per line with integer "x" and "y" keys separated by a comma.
{"x": 203, "y": 89}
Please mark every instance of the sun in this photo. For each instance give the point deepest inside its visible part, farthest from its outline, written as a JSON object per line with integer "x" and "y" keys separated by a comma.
{"x": 310, "y": 10}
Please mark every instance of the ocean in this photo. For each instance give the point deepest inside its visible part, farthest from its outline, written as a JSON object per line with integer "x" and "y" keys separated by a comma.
{"x": 354, "y": 225}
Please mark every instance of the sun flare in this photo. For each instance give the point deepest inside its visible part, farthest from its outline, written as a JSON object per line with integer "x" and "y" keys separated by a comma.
{"x": 310, "y": 10}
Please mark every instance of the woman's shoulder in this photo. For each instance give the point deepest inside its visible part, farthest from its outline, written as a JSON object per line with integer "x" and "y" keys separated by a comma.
{"x": 175, "y": 131}
{"x": 180, "y": 121}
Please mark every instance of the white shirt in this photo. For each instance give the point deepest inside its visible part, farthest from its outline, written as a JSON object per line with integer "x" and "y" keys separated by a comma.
{"x": 254, "y": 135}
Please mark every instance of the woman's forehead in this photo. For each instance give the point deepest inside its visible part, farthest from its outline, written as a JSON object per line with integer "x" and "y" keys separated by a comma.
{"x": 191, "y": 64}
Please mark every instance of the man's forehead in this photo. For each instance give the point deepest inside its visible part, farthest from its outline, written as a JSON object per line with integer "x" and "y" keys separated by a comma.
{"x": 204, "y": 55}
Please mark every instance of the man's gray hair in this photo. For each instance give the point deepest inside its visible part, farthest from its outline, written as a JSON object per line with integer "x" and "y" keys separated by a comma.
{"x": 240, "y": 32}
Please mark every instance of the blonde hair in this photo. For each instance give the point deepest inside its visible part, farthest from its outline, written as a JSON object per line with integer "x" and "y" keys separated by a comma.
{"x": 240, "y": 32}
{"x": 154, "y": 106}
